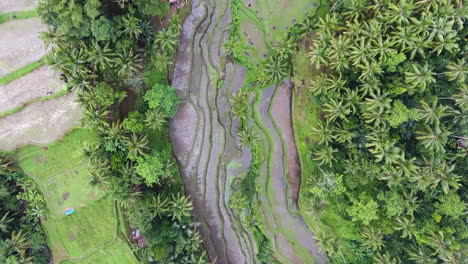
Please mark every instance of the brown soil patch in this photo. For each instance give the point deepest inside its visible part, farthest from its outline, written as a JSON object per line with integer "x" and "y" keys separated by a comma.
{"x": 37, "y": 84}
{"x": 72, "y": 237}
{"x": 65, "y": 196}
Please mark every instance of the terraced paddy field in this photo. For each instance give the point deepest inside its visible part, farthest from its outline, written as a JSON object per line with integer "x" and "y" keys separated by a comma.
{"x": 20, "y": 44}
{"x": 265, "y": 22}
{"x": 42, "y": 82}
{"x": 206, "y": 144}
{"x": 94, "y": 232}
{"x": 17, "y": 5}
{"x": 39, "y": 123}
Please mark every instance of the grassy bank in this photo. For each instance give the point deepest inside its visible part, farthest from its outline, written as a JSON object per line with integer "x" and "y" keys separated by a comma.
{"x": 5, "y": 17}
{"x": 21, "y": 72}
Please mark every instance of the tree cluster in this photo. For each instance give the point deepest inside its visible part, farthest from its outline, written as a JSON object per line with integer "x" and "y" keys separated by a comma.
{"x": 22, "y": 238}
{"x": 110, "y": 55}
{"x": 391, "y": 140}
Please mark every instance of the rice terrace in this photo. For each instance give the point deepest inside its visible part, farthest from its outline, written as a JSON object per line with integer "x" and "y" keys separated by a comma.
{"x": 233, "y": 131}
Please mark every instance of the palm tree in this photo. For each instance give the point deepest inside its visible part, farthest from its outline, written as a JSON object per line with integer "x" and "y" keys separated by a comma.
{"x": 87, "y": 99}
{"x": 115, "y": 132}
{"x": 179, "y": 207}
{"x": 159, "y": 207}
{"x": 128, "y": 172}
{"x": 445, "y": 177}
{"x": 369, "y": 70}
{"x": 352, "y": 98}
{"x": 136, "y": 145}
{"x": 318, "y": 56}
{"x": 131, "y": 26}
{"x": 319, "y": 85}
{"x": 420, "y": 77}
{"x": 94, "y": 117}
{"x": 371, "y": 29}
{"x": 6, "y": 164}
{"x": 406, "y": 226}
{"x": 336, "y": 109}
{"x": 355, "y": 9}
{"x": 457, "y": 70}
{"x": 322, "y": 134}
{"x": 335, "y": 83}
{"x": 361, "y": 51}
{"x": 420, "y": 255}
{"x": 431, "y": 114}
{"x": 162, "y": 60}
{"x": 461, "y": 98}
{"x": 382, "y": 47}
{"x": 453, "y": 257}
{"x": 382, "y": 148}
{"x": 247, "y": 137}
{"x": 238, "y": 201}
{"x": 370, "y": 86}
{"x": 386, "y": 259}
{"x": 166, "y": 41}
{"x": 438, "y": 242}
{"x": 275, "y": 69}
{"x": 92, "y": 151}
{"x": 374, "y": 238}
{"x": 401, "y": 12}
{"x": 328, "y": 243}
{"x": 324, "y": 155}
{"x": 339, "y": 47}
{"x": 378, "y": 102}
{"x": 154, "y": 119}
{"x": 403, "y": 38}
{"x": 102, "y": 58}
{"x": 240, "y": 105}
{"x": 128, "y": 63}
{"x": 391, "y": 175}
{"x": 19, "y": 242}
{"x": 433, "y": 139}
{"x": 329, "y": 24}
{"x": 284, "y": 49}
{"x": 98, "y": 179}
{"x": 4, "y": 221}
{"x": 419, "y": 47}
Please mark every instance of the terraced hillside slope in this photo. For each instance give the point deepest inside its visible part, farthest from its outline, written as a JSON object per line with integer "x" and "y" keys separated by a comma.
{"x": 35, "y": 107}
{"x": 206, "y": 145}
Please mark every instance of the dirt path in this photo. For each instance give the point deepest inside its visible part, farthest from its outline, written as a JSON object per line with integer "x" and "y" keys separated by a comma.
{"x": 203, "y": 134}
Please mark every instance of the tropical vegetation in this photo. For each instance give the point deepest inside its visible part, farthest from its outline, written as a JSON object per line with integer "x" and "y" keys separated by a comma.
{"x": 390, "y": 142}
{"x": 111, "y": 56}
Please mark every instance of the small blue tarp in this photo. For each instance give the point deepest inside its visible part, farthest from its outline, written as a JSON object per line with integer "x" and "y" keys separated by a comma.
{"x": 70, "y": 211}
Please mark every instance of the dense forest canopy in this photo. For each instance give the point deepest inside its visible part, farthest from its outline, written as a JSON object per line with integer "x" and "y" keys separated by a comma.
{"x": 22, "y": 238}
{"x": 392, "y": 137}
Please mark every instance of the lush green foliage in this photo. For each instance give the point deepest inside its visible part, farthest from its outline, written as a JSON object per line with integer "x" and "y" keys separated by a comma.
{"x": 105, "y": 50}
{"x": 22, "y": 204}
{"x": 391, "y": 90}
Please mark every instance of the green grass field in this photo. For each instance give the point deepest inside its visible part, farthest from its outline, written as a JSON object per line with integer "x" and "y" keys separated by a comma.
{"x": 264, "y": 22}
{"x": 91, "y": 234}
{"x": 21, "y": 72}
{"x": 5, "y": 17}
